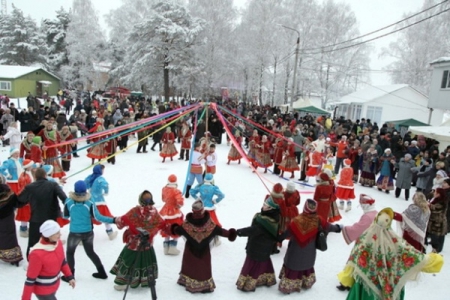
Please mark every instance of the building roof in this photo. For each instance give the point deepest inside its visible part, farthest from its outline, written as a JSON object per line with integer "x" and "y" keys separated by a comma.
{"x": 14, "y": 72}
{"x": 371, "y": 93}
{"x": 440, "y": 60}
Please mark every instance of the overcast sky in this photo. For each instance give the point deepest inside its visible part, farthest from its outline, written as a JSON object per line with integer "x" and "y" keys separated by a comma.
{"x": 371, "y": 15}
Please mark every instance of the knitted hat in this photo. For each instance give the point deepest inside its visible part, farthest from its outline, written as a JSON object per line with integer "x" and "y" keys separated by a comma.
{"x": 324, "y": 177}
{"x": 277, "y": 191}
{"x": 366, "y": 199}
{"x": 148, "y": 200}
{"x": 310, "y": 206}
{"x": 172, "y": 179}
{"x": 36, "y": 140}
{"x": 441, "y": 173}
{"x": 290, "y": 186}
{"x": 270, "y": 203}
{"x": 387, "y": 150}
{"x": 347, "y": 162}
{"x": 13, "y": 150}
{"x": 49, "y": 228}
{"x": 209, "y": 178}
{"x": 48, "y": 169}
{"x": 80, "y": 187}
{"x": 27, "y": 163}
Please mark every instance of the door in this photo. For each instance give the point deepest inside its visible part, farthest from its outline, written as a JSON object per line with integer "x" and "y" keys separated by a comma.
{"x": 38, "y": 89}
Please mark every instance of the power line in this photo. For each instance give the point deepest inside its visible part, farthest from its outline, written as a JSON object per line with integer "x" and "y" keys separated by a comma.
{"x": 381, "y": 29}
{"x": 381, "y": 36}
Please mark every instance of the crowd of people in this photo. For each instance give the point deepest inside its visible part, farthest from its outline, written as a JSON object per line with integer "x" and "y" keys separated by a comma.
{"x": 337, "y": 153}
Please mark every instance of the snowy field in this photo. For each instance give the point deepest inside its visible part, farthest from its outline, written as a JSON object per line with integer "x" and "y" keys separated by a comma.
{"x": 244, "y": 194}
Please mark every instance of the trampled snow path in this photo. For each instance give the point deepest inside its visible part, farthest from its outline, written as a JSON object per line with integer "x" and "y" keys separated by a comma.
{"x": 244, "y": 194}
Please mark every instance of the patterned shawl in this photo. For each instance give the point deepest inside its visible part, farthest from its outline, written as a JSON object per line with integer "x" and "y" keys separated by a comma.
{"x": 415, "y": 222}
{"x": 383, "y": 261}
{"x": 304, "y": 228}
{"x": 268, "y": 223}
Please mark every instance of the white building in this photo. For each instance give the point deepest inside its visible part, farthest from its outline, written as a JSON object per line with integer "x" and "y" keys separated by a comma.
{"x": 388, "y": 103}
{"x": 440, "y": 83}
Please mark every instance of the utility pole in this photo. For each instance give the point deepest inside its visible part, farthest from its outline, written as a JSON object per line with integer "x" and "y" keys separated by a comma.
{"x": 294, "y": 77}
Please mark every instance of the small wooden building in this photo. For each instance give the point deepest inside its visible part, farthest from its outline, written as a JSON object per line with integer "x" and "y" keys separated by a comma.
{"x": 17, "y": 81}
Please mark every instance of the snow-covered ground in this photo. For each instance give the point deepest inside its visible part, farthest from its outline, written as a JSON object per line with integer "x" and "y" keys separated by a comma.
{"x": 244, "y": 194}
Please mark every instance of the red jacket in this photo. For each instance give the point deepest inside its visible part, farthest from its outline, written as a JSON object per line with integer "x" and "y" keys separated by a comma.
{"x": 341, "y": 149}
{"x": 46, "y": 261}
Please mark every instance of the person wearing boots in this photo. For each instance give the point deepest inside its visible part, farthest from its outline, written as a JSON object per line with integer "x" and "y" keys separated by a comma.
{"x": 46, "y": 262}
{"x": 66, "y": 149}
{"x": 196, "y": 169}
{"x": 405, "y": 168}
{"x": 99, "y": 188}
{"x": 185, "y": 136}
{"x": 171, "y": 213}
{"x": 82, "y": 210}
{"x": 24, "y": 213}
{"x": 345, "y": 188}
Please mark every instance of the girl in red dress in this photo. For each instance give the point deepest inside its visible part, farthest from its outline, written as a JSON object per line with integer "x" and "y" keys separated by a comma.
{"x": 263, "y": 155}
{"x": 168, "y": 149}
{"x": 345, "y": 189}
{"x": 98, "y": 151}
{"x": 186, "y": 137}
{"x": 24, "y": 212}
{"x": 25, "y": 146}
{"x": 234, "y": 154}
{"x": 289, "y": 162}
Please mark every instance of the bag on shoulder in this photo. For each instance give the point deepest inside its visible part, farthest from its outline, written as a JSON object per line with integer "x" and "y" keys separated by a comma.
{"x": 321, "y": 238}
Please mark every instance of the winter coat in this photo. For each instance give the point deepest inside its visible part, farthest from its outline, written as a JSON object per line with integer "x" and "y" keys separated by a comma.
{"x": 11, "y": 169}
{"x": 421, "y": 182}
{"x": 26, "y": 121}
{"x": 43, "y": 198}
{"x": 98, "y": 189}
{"x": 80, "y": 209}
{"x": 6, "y": 120}
{"x": 298, "y": 140}
{"x": 428, "y": 175}
{"x": 352, "y": 232}
{"x": 207, "y": 191}
{"x": 14, "y": 136}
{"x": 437, "y": 224}
{"x": 61, "y": 120}
{"x": 404, "y": 175}
{"x": 262, "y": 235}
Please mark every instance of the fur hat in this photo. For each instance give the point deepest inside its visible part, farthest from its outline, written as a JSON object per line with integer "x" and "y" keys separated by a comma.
{"x": 347, "y": 162}
{"x": 270, "y": 203}
{"x": 13, "y": 150}
{"x": 310, "y": 206}
{"x": 27, "y": 163}
{"x": 80, "y": 187}
{"x": 49, "y": 228}
{"x": 209, "y": 178}
{"x": 387, "y": 150}
{"x": 172, "y": 179}
{"x": 290, "y": 186}
{"x": 48, "y": 169}
{"x": 366, "y": 199}
{"x": 324, "y": 176}
{"x": 277, "y": 191}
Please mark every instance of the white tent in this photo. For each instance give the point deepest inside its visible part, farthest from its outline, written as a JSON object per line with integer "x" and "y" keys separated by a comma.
{"x": 439, "y": 133}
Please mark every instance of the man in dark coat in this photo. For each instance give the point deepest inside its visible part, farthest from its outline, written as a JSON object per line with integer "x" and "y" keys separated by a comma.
{"x": 216, "y": 128}
{"x": 43, "y": 198}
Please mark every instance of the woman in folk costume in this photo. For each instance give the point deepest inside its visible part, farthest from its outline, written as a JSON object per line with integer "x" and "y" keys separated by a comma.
{"x": 186, "y": 137}
{"x": 298, "y": 271}
{"x": 24, "y": 213}
{"x": 65, "y": 150}
{"x": 345, "y": 189}
{"x": 199, "y": 230}
{"x": 353, "y": 232}
{"x": 25, "y": 146}
{"x": 381, "y": 263}
{"x": 12, "y": 168}
{"x": 97, "y": 151}
{"x": 437, "y": 225}
{"x": 333, "y": 215}
{"x": 36, "y": 152}
{"x": 234, "y": 154}
{"x": 253, "y": 143}
{"x": 211, "y": 159}
{"x": 289, "y": 209}
{"x": 386, "y": 180}
{"x": 369, "y": 166}
{"x": 414, "y": 221}
{"x": 99, "y": 188}
{"x": 314, "y": 162}
{"x": 10, "y": 251}
{"x": 289, "y": 162}
{"x": 279, "y": 147}
{"x": 354, "y": 157}
{"x": 329, "y": 160}
{"x": 323, "y": 195}
{"x": 171, "y": 213}
{"x": 304, "y": 160}
{"x": 262, "y": 239}
{"x": 146, "y": 217}
{"x": 111, "y": 146}
{"x": 168, "y": 149}
{"x": 14, "y": 136}
{"x": 263, "y": 154}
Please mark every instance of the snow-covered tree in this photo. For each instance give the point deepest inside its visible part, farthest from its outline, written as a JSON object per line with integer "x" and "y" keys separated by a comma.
{"x": 86, "y": 44}
{"x": 20, "y": 40}
{"x": 417, "y": 46}
{"x": 161, "y": 44}
{"x": 55, "y": 32}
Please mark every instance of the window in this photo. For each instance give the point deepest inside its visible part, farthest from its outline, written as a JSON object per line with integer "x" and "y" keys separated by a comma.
{"x": 374, "y": 114}
{"x": 356, "y": 112}
{"x": 446, "y": 80}
{"x": 5, "y": 85}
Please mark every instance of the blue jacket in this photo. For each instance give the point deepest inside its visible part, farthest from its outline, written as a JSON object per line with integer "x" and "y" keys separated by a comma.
{"x": 98, "y": 189}
{"x": 80, "y": 210}
{"x": 207, "y": 191}
{"x": 9, "y": 169}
